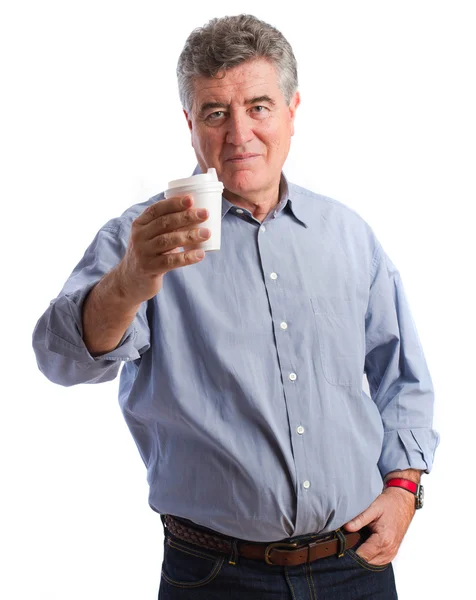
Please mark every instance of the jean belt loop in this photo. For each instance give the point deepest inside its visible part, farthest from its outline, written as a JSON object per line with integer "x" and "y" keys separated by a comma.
{"x": 234, "y": 553}
{"x": 342, "y": 543}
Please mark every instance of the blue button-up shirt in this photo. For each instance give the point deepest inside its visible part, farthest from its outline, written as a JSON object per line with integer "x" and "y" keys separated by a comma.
{"x": 242, "y": 379}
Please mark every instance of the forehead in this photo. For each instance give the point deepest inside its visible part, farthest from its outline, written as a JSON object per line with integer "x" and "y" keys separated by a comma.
{"x": 250, "y": 79}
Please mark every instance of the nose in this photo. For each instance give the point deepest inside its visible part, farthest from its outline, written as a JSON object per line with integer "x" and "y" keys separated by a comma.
{"x": 239, "y": 130}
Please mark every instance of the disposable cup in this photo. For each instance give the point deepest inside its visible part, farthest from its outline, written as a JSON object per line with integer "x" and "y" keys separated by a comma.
{"x": 206, "y": 191}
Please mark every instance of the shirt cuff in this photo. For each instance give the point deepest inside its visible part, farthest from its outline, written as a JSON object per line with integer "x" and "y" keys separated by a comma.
{"x": 65, "y": 330}
{"x": 408, "y": 449}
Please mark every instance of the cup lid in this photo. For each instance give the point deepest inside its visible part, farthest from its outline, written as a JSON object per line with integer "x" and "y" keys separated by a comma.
{"x": 209, "y": 176}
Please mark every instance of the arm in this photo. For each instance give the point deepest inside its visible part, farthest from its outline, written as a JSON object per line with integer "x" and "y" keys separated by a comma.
{"x": 153, "y": 249}
{"x": 107, "y": 313}
{"x": 401, "y": 387}
{"x": 100, "y": 317}
{"x": 399, "y": 380}
{"x": 61, "y": 353}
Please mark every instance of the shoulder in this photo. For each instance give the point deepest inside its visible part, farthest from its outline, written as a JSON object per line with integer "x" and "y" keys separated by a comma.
{"x": 321, "y": 207}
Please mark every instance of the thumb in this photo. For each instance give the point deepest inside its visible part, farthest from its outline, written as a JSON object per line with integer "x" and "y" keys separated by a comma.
{"x": 365, "y": 517}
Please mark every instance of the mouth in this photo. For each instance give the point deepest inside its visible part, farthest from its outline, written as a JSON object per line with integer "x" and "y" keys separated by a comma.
{"x": 240, "y": 158}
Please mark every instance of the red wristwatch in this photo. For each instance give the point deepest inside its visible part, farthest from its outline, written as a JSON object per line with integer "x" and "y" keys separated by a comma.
{"x": 411, "y": 486}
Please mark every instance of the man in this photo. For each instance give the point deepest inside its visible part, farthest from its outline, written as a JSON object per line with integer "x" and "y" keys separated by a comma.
{"x": 242, "y": 376}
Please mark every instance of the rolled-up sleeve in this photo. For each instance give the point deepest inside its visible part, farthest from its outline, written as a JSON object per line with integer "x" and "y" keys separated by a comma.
{"x": 399, "y": 380}
{"x": 58, "y": 342}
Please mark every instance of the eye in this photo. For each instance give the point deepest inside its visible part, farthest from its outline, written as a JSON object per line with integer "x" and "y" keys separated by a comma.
{"x": 214, "y": 116}
{"x": 260, "y": 111}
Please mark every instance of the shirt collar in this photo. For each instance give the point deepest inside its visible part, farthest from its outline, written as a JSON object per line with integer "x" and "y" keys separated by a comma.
{"x": 293, "y": 203}
{"x": 290, "y": 198}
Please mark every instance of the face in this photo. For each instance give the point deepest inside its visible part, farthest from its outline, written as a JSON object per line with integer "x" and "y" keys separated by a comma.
{"x": 242, "y": 126}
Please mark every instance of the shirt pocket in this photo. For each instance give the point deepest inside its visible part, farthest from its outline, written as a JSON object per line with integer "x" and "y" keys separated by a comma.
{"x": 339, "y": 338}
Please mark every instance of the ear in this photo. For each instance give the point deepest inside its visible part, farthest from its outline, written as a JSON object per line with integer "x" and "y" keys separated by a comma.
{"x": 293, "y": 105}
{"x": 189, "y": 120}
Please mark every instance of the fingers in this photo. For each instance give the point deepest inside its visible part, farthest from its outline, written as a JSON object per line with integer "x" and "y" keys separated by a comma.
{"x": 370, "y": 549}
{"x": 144, "y": 229}
{"x": 367, "y": 516}
{"x": 165, "y": 236}
{"x": 167, "y": 215}
{"x": 175, "y": 259}
{"x": 170, "y": 251}
{"x": 163, "y": 207}
{"x": 175, "y": 221}
{"x": 176, "y": 239}
{"x": 377, "y": 551}
{"x": 388, "y": 518}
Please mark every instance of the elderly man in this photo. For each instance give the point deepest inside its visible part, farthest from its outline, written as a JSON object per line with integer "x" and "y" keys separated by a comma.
{"x": 275, "y": 474}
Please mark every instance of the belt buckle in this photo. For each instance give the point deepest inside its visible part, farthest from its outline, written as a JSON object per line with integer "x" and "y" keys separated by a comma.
{"x": 277, "y": 545}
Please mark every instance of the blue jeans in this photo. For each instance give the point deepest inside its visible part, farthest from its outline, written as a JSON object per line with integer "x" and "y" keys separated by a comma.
{"x": 190, "y": 572}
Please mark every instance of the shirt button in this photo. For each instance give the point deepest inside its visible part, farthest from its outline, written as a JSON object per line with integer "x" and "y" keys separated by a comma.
{"x": 300, "y": 429}
{"x": 292, "y": 376}
{"x": 306, "y": 484}
{"x": 274, "y": 276}
{"x": 262, "y": 228}
{"x": 239, "y": 211}
{"x": 284, "y": 325}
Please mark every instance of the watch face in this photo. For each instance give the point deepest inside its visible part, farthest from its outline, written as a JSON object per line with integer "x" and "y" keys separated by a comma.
{"x": 420, "y": 495}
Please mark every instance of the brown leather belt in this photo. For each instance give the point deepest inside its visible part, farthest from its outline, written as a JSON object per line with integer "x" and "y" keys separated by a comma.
{"x": 275, "y": 553}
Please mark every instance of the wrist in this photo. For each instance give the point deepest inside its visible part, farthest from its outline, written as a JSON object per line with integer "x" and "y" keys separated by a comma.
{"x": 405, "y": 497}
{"x": 125, "y": 288}
{"x": 410, "y": 474}
{"x": 407, "y": 487}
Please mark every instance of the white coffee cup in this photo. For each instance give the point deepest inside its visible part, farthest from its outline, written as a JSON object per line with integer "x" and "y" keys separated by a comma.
{"x": 206, "y": 191}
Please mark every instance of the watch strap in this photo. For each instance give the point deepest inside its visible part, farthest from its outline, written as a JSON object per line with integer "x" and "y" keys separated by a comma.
{"x": 414, "y": 488}
{"x": 411, "y": 486}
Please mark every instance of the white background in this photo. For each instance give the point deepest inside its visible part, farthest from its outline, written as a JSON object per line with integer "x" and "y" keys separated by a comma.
{"x": 91, "y": 124}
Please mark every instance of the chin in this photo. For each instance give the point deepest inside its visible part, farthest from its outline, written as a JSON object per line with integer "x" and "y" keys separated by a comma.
{"x": 241, "y": 181}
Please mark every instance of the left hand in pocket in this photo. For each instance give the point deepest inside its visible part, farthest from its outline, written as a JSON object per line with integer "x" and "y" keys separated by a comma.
{"x": 388, "y": 518}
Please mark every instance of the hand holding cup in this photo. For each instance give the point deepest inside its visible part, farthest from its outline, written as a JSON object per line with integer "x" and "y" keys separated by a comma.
{"x": 206, "y": 191}
{"x": 155, "y": 245}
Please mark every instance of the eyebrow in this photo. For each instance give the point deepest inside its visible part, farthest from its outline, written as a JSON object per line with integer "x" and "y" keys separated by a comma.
{"x": 208, "y": 105}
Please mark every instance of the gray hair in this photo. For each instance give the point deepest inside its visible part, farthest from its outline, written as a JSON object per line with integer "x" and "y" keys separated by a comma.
{"x": 226, "y": 42}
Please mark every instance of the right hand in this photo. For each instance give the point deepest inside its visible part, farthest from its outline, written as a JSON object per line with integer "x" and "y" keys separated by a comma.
{"x": 155, "y": 243}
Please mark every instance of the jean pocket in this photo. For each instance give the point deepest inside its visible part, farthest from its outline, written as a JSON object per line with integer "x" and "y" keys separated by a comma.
{"x": 340, "y": 339}
{"x": 189, "y": 566}
{"x": 363, "y": 563}
{"x": 351, "y": 552}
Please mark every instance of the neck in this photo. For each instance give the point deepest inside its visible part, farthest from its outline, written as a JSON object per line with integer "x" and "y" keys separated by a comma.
{"x": 259, "y": 204}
